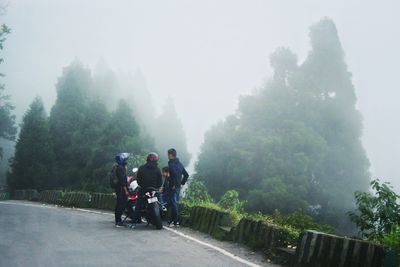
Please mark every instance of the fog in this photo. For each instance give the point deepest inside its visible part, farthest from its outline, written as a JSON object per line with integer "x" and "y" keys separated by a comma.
{"x": 205, "y": 54}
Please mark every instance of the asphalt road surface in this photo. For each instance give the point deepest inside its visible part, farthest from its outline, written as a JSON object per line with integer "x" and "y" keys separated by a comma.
{"x": 34, "y": 234}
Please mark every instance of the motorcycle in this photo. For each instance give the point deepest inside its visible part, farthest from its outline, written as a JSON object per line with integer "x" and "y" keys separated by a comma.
{"x": 150, "y": 209}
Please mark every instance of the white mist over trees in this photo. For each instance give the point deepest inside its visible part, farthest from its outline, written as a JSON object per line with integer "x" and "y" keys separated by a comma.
{"x": 94, "y": 118}
{"x": 296, "y": 143}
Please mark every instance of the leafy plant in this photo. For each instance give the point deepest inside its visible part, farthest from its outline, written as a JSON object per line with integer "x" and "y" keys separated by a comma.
{"x": 230, "y": 201}
{"x": 301, "y": 221}
{"x": 197, "y": 193}
{"x": 392, "y": 239}
{"x": 377, "y": 213}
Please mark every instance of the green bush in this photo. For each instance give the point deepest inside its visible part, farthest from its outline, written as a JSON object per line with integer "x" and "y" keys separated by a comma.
{"x": 392, "y": 239}
{"x": 197, "y": 193}
{"x": 377, "y": 212}
{"x": 230, "y": 201}
{"x": 301, "y": 221}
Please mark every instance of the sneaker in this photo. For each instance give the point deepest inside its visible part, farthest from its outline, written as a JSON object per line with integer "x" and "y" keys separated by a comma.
{"x": 131, "y": 225}
{"x": 176, "y": 224}
{"x": 119, "y": 225}
{"x": 163, "y": 208}
{"x": 170, "y": 224}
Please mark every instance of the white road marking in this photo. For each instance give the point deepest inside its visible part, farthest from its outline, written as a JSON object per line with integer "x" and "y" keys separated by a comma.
{"x": 220, "y": 250}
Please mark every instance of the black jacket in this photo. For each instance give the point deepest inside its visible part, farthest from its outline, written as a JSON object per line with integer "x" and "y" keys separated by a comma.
{"x": 176, "y": 171}
{"x": 149, "y": 175}
{"x": 121, "y": 174}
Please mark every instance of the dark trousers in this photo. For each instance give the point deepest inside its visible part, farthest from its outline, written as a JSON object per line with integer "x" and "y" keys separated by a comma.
{"x": 120, "y": 205}
{"x": 174, "y": 199}
{"x": 138, "y": 207}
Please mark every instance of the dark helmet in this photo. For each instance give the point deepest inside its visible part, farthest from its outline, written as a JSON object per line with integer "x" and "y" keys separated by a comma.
{"x": 152, "y": 156}
{"x": 122, "y": 158}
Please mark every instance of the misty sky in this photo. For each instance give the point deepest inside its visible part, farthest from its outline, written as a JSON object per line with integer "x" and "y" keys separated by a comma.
{"x": 205, "y": 54}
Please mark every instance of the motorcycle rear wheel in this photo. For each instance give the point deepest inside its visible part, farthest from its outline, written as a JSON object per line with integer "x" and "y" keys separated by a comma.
{"x": 155, "y": 209}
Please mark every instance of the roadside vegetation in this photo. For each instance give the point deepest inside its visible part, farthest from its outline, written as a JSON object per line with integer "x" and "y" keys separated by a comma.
{"x": 295, "y": 222}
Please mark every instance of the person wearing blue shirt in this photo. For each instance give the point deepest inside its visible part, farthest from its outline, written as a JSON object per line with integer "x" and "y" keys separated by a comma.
{"x": 178, "y": 177}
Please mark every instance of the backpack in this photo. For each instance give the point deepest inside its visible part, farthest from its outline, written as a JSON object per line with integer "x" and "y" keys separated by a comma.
{"x": 114, "y": 180}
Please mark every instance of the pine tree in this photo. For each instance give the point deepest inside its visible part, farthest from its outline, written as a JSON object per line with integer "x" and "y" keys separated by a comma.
{"x": 327, "y": 79}
{"x": 169, "y": 133}
{"x": 8, "y": 130}
{"x": 121, "y": 134}
{"x": 296, "y": 142}
{"x": 33, "y": 164}
{"x": 67, "y": 118}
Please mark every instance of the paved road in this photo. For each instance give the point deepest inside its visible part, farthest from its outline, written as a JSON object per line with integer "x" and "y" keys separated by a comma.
{"x": 44, "y": 235}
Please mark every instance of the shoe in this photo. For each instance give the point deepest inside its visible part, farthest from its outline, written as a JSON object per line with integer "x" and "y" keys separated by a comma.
{"x": 163, "y": 208}
{"x": 119, "y": 224}
{"x": 176, "y": 224}
{"x": 131, "y": 225}
{"x": 170, "y": 224}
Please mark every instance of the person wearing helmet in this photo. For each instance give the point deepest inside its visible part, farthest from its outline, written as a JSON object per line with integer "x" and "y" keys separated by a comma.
{"x": 148, "y": 175}
{"x": 121, "y": 190}
{"x": 177, "y": 177}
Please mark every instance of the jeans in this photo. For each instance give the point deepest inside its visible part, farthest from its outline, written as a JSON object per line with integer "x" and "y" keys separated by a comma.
{"x": 174, "y": 199}
{"x": 162, "y": 198}
{"x": 120, "y": 205}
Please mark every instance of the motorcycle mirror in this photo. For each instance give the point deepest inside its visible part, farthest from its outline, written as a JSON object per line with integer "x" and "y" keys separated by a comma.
{"x": 135, "y": 170}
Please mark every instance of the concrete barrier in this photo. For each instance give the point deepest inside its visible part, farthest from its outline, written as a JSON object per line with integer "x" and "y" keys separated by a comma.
{"x": 4, "y": 196}
{"x": 319, "y": 249}
{"x": 103, "y": 201}
{"x": 51, "y": 196}
{"x": 76, "y": 199}
{"x": 260, "y": 235}
{"x": 27, "y": 194}
{"x": 211, "y": 221}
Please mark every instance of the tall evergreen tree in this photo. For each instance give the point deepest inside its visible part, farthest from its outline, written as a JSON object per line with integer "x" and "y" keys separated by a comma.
{"x": 169, "y": 133}
{"x": 33, "y": 164}
{"x": 296, "y": 143}
{"x": 67, "y": 118}
{"x": 328, "y": 81}
{"x": 8, "y": 130}
{"x": 121, "y": 134}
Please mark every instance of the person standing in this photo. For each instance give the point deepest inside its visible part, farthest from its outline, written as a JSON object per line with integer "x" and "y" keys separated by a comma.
{"x": 177, "y": 177}
{"x": 121, "y": 190}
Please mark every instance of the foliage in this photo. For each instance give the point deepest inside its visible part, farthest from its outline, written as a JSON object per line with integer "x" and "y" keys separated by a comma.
{"x": 8, "y": 129}
{"x": 392, "y": 239}
{"x": 378, "y": 212}
{"x": 170, "y": 133}
{"x": 83, "y": 137}
{"x": 197, "y": 193}
{"x": 301, "y": 221}
{"x": 295, "y": 143}
{"x": 230, "y": 201}
{"x": 33, "y": 163}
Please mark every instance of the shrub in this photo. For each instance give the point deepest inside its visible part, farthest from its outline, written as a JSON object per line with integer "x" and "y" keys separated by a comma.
{"x": 376, "y": 212}
{"x": 392, "y": 239}
{"x": 230, "y": 201}
{"x": 301, "y": 221}
{"x": 197, "y": 193}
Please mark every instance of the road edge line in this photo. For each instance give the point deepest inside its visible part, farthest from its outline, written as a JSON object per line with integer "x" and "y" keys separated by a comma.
{"x": 220, "y": 250}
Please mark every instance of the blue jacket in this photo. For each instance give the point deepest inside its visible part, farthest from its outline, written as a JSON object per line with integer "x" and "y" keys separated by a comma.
{"x": 176, "y": 171}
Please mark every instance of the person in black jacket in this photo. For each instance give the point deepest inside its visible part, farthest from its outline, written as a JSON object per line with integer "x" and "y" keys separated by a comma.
{"x": 149, "y": 175}
{"x": 121, "y": 190}
{"x": 177, "y": 177}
